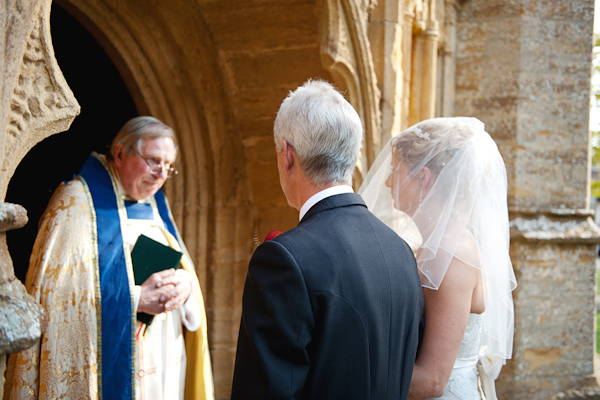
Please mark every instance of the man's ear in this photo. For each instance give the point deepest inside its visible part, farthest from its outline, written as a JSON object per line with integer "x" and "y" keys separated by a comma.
{"x": 119, "y": 154}
{"x": 425, "y": 177}
{"x": 289, "y": 156}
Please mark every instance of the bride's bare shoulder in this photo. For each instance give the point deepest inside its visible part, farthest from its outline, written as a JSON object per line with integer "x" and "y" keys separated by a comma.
{"x": 467, "y": 250}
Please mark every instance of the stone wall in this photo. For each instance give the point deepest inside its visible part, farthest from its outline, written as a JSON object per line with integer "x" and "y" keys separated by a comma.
{"x": 554, "y": 322}
{"x": 523, "y": 67}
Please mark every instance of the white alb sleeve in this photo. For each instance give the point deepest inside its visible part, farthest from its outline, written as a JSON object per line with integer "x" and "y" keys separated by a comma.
{"x": 190, "y": 311}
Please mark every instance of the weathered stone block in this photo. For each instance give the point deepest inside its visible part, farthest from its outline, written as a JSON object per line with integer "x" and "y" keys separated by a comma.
{"x": 21, "y": 318}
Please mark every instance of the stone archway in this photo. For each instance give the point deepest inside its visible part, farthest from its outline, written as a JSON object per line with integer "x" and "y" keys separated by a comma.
{"x": 184, "y": 89}
{"x": 106, "y": 106}
{"x": 172, "y": 73}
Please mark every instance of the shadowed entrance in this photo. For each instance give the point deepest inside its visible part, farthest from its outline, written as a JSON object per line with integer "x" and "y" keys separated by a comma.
{"x": 105, "y": 107}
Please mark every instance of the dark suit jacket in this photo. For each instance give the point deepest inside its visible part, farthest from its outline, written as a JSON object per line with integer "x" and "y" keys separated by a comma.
{"x": 331, "y": 310}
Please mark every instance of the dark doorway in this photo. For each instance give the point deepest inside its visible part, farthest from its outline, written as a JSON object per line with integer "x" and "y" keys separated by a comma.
{"x": 105, "y": 106}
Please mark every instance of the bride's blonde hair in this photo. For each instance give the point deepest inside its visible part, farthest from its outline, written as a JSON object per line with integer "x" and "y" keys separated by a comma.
{"x": 431, "y": 143}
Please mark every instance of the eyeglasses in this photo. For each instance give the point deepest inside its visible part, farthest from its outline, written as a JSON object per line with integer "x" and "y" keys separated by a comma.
{"x": 156, "y": 167}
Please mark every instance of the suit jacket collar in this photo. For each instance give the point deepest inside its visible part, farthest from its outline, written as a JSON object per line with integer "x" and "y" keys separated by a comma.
{"x": 335, "y": 201}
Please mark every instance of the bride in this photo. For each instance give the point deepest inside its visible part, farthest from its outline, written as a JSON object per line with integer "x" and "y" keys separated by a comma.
{"x": 441, "y": 185}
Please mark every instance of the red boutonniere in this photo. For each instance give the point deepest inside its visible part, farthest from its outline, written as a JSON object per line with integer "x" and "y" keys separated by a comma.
{"x": 272, "y": 235}
{"x": 269, "y": 236}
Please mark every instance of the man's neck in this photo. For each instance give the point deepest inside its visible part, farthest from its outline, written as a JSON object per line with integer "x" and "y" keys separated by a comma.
{"x": 323, "y": 194}
{"x": 306, "y": 190}
{"x": 311, "y": 191}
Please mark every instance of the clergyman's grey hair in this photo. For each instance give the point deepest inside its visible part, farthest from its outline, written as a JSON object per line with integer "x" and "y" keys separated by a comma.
{"x": 140, "y": 128}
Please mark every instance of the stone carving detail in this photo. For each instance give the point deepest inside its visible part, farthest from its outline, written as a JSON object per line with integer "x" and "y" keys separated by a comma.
{"x": 346, "y": 53}
{"x": 554, "y": 228}
{"x": 12, "y": 216}
{"x": 42, "y": 103}
{"x": 35, "y": 96}
{"x": 20, "y": 316}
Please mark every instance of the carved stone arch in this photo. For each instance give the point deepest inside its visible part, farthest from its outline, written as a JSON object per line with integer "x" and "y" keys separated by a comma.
{"x": 41, "y": 102}
{"x": 172, "y": 73}
{"x": 148, "y": 50}
{"x": 346, "y": 53}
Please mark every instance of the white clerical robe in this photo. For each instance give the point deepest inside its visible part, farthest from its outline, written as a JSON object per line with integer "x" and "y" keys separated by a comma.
{"x": 161, "y": 357}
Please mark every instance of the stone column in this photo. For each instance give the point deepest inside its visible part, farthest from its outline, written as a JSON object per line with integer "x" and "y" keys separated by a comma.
{"x": 424, "y": 68}
{"x": 387, "y": 38}
{"x": 35, "y": 102}
{"x": 407, "y": 44}
{"x": 523, "y": 68}
{"x": 446, "y": 61}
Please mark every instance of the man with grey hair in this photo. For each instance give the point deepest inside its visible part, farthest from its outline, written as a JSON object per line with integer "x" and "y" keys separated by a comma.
{"x": 97, "y": 344}
{"x": 332, "y": 307}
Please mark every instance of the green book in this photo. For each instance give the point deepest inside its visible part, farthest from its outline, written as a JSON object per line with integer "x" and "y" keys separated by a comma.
{"x": 149, "y": 256}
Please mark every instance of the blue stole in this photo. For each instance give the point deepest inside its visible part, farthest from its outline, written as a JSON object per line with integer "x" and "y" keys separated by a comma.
{"x": 116, "y": 326}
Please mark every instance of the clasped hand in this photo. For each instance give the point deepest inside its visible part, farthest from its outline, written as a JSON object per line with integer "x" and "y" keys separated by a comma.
{"x": 164, "y": 291}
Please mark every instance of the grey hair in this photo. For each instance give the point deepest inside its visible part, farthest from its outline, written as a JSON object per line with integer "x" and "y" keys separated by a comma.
{"x": 138, "y": 128}
{"x": 324, "y": 129}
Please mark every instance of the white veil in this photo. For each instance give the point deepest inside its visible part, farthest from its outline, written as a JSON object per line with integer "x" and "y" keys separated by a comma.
{"x": 468, "y": 196}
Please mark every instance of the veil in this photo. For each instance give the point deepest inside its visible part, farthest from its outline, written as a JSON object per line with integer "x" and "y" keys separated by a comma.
{"x": 466, "y": 203}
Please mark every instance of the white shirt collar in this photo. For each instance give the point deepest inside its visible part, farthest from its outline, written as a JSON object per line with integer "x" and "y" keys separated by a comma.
{"x": 323, "y": 194}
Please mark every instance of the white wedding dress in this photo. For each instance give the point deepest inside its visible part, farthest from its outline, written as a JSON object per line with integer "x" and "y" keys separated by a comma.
{"x": 463, "y": 383}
